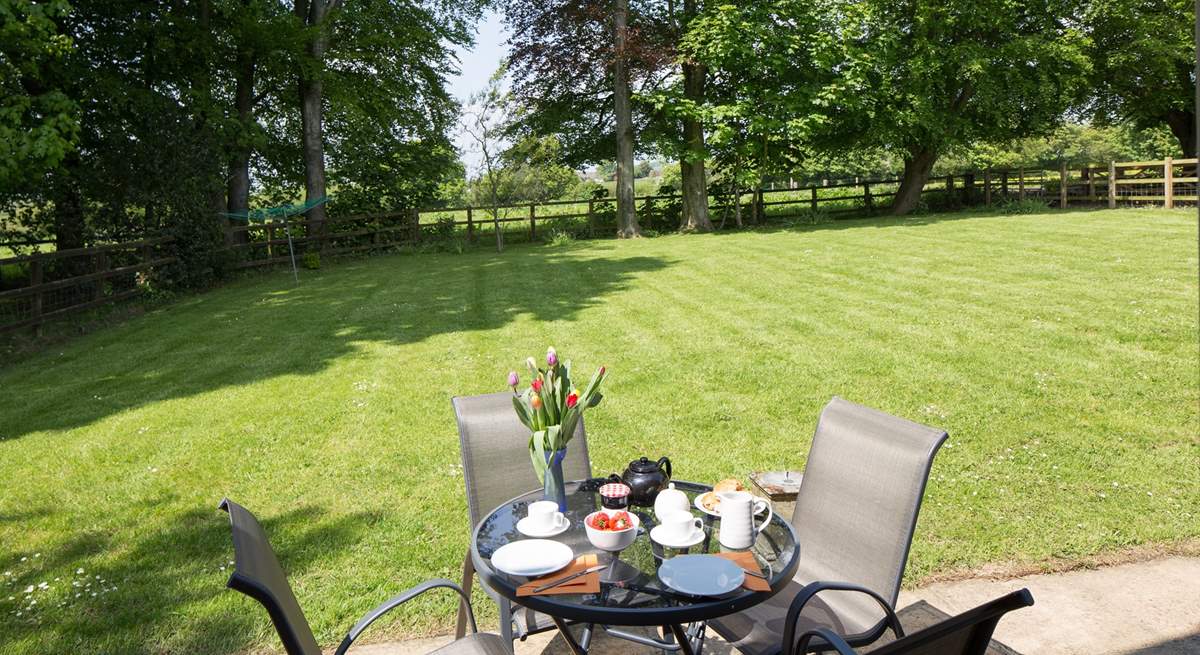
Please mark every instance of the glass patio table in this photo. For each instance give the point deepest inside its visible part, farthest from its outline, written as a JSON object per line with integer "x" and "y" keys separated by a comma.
{"x": 637, "y": 597}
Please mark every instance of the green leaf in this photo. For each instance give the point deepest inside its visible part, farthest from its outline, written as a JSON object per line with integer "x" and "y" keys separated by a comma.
{"x": 522, "y": 411}
{"x": 537, "y": 453}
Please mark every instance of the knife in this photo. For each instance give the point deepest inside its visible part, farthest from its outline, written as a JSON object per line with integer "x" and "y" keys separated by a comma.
{"x": 551, "y": 585}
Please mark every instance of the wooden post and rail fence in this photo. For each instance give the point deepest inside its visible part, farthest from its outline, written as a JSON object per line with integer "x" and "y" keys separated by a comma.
{"x": 41, "y": 287}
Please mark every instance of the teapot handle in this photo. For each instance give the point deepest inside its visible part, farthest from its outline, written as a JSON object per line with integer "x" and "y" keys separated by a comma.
{"x": 664, "y": 462}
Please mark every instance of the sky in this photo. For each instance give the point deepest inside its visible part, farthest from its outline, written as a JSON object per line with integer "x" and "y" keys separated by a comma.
{"x": 477, "y": 65}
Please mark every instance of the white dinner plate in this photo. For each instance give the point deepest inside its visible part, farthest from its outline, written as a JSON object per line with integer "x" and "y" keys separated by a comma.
{"x": 716, "y": 513}
{"x": 532, "y": 557}
{"x": 658, "y": 535}
{"x": 701, "y": 575}
{"x": 525, "y": 527}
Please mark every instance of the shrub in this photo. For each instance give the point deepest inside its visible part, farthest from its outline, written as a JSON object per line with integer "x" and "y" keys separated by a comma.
{"x": 1026, "y": 206}
{"x": 311, "y": 260}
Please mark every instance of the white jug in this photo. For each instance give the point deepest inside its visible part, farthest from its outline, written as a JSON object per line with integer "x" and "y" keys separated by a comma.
{"x": 738, "y": 508}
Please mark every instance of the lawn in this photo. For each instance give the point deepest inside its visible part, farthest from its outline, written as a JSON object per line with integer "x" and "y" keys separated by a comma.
{"x": 1059, "y": 350}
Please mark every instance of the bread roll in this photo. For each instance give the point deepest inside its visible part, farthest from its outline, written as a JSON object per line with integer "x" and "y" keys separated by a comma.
{"x": 728, "y": 484}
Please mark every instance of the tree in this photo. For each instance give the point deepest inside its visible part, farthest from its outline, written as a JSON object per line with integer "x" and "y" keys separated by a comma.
{"x": 627, "y": 223}
{"x": 1143, "y": 57}
{"x": 484, "y": 123}
{"x": 923, "y": 77}
{"x": 39, "y": 122}
{"x": 691, "y": 163}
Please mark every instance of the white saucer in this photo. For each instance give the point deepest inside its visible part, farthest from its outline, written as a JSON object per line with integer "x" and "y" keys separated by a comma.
{"x": 524, "y": 527}
{"x": 656, "y": 534}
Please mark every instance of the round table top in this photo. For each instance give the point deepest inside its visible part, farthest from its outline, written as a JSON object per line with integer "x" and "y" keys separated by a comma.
{"x": 641, "y": 598}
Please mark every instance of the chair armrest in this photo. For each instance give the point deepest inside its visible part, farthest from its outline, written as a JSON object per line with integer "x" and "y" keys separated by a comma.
{"x": 830, "y": 637}
{"x": 399, "y": 600}
{"x": 812, "y": 589}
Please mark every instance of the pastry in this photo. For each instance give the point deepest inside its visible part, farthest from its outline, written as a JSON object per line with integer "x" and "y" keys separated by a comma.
{"x": 728, "y": 484}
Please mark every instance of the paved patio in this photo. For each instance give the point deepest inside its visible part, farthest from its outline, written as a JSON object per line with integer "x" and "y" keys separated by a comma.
{"x": 1143, "y": 608}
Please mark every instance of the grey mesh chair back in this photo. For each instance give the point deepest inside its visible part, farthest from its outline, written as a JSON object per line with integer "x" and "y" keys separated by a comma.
{"x": 858, "y": 501}
{"x": 257, "y": 574}
{"x": 495, "y": 452}
{"x": 969, "y": 633}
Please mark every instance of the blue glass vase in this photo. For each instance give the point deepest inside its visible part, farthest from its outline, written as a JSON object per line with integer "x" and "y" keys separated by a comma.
{"x": 553, "y": 487}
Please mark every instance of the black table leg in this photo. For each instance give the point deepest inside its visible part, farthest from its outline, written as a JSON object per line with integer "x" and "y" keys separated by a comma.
{"x": 681, "y": 638}
{"x": 568, "y": 637}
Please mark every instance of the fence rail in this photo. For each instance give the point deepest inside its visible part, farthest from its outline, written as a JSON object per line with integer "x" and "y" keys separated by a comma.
{"x": 60, "y": 283}
{"x": 56, "y": 284}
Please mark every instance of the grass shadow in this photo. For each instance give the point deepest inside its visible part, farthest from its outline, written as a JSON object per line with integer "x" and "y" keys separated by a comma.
{"x": 174, "y": 577}
{"x": 237, "y": 335}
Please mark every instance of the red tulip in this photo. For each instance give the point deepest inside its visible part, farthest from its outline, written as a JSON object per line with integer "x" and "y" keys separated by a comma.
{"x": 572, "y": 400}
{"x": 537, "y": 385}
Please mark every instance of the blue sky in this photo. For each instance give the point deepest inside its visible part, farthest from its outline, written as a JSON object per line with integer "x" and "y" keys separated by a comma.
{"x": 477, "y": 65}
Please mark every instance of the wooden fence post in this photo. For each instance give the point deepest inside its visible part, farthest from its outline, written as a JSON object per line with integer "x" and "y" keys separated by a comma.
{"x": 35, "y": 279}
{"x": 1168, "y": 183}
{"x": 591, "y": 218}
{"x": 1062, "y": 186}
{"x": 1112, "y": 185}
{"x": 416, "y": 225}
{"x": 470, "y": 227}
{"x": 101, "y": 265}
{"x": 814, "y": 197}
{"x": 1021, "y": 183}
{"x": 949, "y": 189}
{"x": 969, "y": 187}
{"x": 987, "y": 186}
{"x": 867, "y": 200}
{"x": 270, "y": 238}
{"x": 532, "y": 224}
{"x": 1091, "y": 180}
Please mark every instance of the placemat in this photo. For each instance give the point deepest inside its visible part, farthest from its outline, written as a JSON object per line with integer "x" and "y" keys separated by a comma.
{"x": 745, "y": 559}
{"x": 584, "y": 584}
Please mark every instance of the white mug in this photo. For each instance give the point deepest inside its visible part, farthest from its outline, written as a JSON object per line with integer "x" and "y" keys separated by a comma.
{"x": 737, "y": 518}
{"x": 544, "y": 516}
{"x": 679, "y": 526}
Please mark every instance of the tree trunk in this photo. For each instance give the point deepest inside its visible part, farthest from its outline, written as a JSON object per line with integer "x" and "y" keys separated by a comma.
{"x": 68, "y": 206}
{"x": 627, "y": 223}
{"x": 238, "y": 184}
{"x": 1183, "y": 126}
{"x": 917, "y": 166}
{"x": 311, "y": 95}
{"x": 691, "y": 166}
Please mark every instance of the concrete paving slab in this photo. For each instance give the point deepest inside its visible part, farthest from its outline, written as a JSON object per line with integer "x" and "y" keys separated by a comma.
{"x": 1143, "y": 608}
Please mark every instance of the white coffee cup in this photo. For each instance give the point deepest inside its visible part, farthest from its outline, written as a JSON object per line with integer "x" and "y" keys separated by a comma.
{"x": 738, "y": 530}
{"x": 544, "y": 516}
{"x": 679, "y": 526}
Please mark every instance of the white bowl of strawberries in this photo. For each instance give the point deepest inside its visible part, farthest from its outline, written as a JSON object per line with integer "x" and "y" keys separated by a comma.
{"x": 611, "y": 530}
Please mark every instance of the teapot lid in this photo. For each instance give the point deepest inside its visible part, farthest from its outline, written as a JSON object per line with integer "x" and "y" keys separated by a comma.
{"x": 644, "y": 465}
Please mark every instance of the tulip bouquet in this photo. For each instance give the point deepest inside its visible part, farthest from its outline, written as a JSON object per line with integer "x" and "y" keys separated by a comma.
{"x": 551, "y": 408}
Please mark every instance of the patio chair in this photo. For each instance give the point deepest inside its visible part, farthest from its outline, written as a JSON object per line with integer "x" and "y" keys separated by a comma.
{"x": 258, "y": 575}
{"x": 496, "y": 469}
{"x": 969, "y": 633}
{"x": 854, "y": 519}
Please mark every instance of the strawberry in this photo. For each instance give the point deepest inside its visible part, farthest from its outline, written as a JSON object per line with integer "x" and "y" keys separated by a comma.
{"x": 621, "y": 521}
{"x": 600, "y": 521}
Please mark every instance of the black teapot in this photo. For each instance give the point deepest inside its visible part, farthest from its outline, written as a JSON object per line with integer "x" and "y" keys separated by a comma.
{"x": 645, "y": 479}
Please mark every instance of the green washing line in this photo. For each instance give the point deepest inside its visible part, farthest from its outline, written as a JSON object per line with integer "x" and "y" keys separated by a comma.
{"x": 271, "y": 214}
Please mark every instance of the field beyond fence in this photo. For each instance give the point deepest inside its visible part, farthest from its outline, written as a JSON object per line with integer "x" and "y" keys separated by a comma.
{"x": 38, "y": 288}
